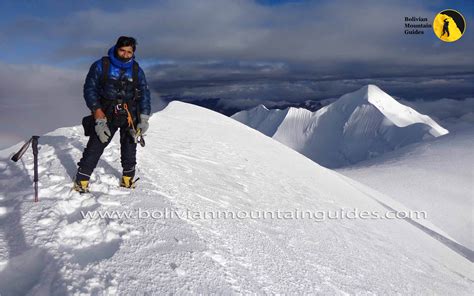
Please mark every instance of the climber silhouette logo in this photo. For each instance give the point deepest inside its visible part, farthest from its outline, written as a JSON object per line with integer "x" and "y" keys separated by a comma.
{"x": 449, "y": 25}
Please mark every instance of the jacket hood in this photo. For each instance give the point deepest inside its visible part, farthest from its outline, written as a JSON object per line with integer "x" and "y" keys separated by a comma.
{"x": 117, "y": 62}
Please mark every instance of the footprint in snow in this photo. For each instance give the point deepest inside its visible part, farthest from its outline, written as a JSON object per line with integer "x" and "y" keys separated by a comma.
{"x": 179, "y": 271}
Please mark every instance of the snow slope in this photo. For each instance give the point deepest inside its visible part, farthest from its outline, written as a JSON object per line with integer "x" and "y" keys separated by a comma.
{"x": 435, "y": 176}
{"x": 356, "y": 127}
{"x": 198, "y": 160}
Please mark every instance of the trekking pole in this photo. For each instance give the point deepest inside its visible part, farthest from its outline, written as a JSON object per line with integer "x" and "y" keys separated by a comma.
{"x": 34, "y": 145}
{"x": 19, "y": 154}
{"x": 22, "y": 151}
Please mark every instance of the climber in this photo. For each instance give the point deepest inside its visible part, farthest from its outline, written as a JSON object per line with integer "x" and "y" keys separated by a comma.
{"x": 117, "y": 93}
{"x": 445, "y": 27}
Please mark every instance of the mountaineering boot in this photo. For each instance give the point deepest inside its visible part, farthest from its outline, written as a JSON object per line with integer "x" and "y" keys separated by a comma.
{"x": 128, "y": 182}
{"x": 81, "y": 182}
{"x": 127, "y": 178}
{"x": 81, "y": 186}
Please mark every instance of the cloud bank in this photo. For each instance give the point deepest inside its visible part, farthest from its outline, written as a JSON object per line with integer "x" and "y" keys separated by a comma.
{"x": 242, "y": 52}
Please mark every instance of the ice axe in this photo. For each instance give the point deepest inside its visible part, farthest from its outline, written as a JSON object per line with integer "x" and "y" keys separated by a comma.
{"x": 138, "y": 138}
{"x": 135, "y": 132}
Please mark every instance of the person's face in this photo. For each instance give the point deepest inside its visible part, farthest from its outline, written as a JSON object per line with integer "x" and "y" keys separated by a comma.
{"x": 125, "y": 52}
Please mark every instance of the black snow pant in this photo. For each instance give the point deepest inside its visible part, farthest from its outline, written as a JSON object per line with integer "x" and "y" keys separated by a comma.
{"x": 95, "y": 148}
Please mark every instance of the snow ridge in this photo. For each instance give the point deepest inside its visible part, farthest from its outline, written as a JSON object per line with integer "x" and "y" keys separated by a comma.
{"x": 198, "y": 161}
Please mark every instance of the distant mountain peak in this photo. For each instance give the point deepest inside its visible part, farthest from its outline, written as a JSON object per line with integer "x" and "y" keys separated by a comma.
{"x": 261, "y": 107}
{"x": 395, "y": 112}
{"x": 367, "y": 93}
{"x": 357, "y": 126}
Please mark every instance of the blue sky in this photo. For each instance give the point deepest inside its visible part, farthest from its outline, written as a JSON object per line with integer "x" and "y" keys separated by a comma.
{"x": 26, "y": 13}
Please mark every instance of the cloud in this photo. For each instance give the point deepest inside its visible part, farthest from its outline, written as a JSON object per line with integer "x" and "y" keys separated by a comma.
{"x": 247, "y": 51}
{"x": 452, "y": 114}
{"x": 240, "y": 51}
{"x": 46, "y": 97}
{"x": 36, "y": 99}
{"x": 198, "y": 46}
{"x": 326, "y": 34}
{"x": 445, "y": 108}
{"x": 275, "y": 82}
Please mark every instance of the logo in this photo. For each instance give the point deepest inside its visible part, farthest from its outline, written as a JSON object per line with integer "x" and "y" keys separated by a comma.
{"x": 449, "y": 25}
{"x": 416, "y": 25}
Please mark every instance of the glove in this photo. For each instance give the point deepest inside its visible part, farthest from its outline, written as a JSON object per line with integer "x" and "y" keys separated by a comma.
{"x": 143, "y": 125}
{"x": 102, "y": 130}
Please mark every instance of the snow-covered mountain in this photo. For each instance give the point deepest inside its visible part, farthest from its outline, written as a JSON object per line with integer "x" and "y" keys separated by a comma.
{"x": 435, "y": 176}
{"x": 197, "y": 161}
{"x": 356, "y": 127}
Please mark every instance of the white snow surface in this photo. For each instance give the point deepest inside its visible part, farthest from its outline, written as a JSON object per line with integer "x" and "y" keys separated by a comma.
{"x": 356, "y": 127}
{"x": 199, "y": 160}
{"x": 435, "y": 176}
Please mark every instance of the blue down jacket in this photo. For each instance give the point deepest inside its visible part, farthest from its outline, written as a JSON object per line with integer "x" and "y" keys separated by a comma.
{"x": 93, "y": 91}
